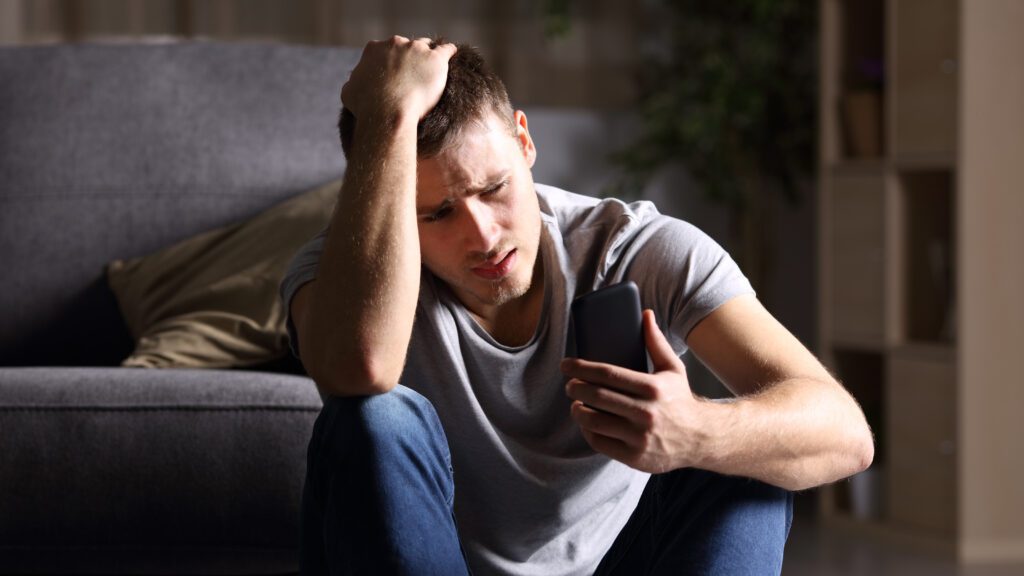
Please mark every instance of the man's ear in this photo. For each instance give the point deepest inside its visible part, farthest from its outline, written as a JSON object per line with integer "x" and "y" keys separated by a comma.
{"x": 524, "y": 139}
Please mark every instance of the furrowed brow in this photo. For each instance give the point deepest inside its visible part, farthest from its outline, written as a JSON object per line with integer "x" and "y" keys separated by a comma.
{"x": 491, "y": 183}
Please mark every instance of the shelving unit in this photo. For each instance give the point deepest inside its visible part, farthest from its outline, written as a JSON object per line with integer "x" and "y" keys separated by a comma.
{"x": 921, "y": 167}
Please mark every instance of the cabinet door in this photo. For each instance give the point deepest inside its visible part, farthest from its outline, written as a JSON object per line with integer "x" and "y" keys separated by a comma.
{"x": 924, "y": 60}
{"x": 858, "y": 275}
{"x": 921, "y": 429}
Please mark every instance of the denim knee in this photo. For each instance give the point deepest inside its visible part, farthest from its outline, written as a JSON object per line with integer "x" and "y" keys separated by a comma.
{"x": 692, "y": 521}
{"x": 747, "y": 523}
{"x": 378, "y": 482}
{"x": 374, "y": 433}
{"x": 389, "y": 417}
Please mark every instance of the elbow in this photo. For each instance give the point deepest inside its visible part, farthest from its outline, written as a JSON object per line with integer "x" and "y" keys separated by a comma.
{"x": 342, "y": 361}
{"x": 865, "y": 451}
{"x": 853, "y": 453}
{"x": 352, "y": 385}
{"x": 861, "y": 443}
{"x": 356, "y": 377}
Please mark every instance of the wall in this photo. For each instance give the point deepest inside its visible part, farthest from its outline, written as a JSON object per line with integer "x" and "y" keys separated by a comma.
{"x": 991, "y": 317}
{"x": 589, "y": 66}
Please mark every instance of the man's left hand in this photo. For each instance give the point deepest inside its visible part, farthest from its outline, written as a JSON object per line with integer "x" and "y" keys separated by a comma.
{"x": 651, "y": 422}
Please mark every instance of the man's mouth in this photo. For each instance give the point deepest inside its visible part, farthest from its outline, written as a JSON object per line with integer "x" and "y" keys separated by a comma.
{"x": 497, "y": 267}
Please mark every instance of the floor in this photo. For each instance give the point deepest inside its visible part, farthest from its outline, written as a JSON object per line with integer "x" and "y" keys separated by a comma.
{"x": 815, "y": 551}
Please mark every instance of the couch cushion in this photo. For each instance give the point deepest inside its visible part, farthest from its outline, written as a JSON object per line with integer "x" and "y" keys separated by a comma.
{"x": 212, "y": 301}
{"x": 114, "y": 151}
{"x": 124, "y": 470}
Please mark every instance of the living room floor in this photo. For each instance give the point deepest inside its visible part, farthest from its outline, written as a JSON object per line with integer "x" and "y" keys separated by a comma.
{"x": 813, "y": 550}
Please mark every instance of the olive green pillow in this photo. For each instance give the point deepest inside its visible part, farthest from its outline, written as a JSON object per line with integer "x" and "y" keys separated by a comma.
{"x": 211, "y": 301}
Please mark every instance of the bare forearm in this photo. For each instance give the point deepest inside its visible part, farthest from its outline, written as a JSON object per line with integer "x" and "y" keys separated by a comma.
{"x": 797, "y": 434}
{"x": 795, "y": 427}
{"x": 363, "y": 303}
{"x": 356, "y": 321}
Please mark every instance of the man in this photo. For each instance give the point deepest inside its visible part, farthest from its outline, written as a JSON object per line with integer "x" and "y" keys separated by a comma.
{"x": 434, "y": 312}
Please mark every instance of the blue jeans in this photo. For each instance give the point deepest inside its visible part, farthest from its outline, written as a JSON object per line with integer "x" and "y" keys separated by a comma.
{"x": 379, "y": 499}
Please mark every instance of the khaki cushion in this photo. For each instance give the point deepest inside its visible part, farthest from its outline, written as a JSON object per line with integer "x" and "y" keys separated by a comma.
{"x": 211, "y": 301}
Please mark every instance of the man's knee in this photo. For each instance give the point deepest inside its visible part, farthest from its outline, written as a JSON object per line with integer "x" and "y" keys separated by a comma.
{"x": 397, "y": 413}
{"x": 393, "y": 416}
{"x": 379, "y": 477}
{"x": 708, "y": 523}
{"x": 767, "y": 509}
{"x": 746, "y": 524}
{"x": 397, "y": 425}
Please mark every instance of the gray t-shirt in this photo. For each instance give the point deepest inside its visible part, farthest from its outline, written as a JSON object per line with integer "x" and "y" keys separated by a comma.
{"x": 531, "y": 496}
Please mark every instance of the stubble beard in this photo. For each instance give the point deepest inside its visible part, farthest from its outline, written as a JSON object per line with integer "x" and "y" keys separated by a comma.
{"x": 506, "y": 292}
{"x": 512, "y": 287}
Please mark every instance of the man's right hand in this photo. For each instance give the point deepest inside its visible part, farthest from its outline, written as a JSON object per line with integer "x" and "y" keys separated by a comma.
{"x": 397, "y": 78}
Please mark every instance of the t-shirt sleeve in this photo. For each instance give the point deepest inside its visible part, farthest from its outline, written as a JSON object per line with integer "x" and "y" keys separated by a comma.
{"x": 683, "y": 274}
{"x": 301, "y": 270}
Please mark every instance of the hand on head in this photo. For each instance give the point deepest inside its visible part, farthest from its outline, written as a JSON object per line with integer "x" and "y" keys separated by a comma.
{"x": 397, "y": 77}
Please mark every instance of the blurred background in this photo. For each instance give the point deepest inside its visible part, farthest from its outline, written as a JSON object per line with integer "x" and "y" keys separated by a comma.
{"x": 861, "y": 160}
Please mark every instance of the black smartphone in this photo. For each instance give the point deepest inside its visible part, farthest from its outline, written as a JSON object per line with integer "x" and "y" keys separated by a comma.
{"x": 608, "y": 326}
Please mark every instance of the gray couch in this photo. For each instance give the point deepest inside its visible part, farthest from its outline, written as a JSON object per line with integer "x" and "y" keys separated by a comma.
{"x": 114, "y": 151}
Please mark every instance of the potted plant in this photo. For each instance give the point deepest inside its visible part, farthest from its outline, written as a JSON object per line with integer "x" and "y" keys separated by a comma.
{"x": 730, "y": 92}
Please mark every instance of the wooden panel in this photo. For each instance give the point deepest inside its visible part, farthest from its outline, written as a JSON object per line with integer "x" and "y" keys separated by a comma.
{"x": 925, "y": 76}
{"x": 991, "y": 315}
{"x": 828, "y": 82}
{"x": 858, "y": 232}
{"x": 921, "y": 425}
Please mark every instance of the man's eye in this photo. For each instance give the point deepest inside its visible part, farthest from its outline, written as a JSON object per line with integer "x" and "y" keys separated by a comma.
{"x": 501, "y": 186}
{"x": 439, "y": 215}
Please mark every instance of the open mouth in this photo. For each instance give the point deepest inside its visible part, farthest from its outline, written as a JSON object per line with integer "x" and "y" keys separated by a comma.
{"x": 498, "y": 269}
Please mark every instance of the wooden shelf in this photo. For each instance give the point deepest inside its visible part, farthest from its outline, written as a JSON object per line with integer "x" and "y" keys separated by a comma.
{"x": 859, "y": 345}
{"x": 929, "y": 161}
{"x": 859, "y": 166}
{"x": 926, "y": 351}
{"x": 920, "y": 266}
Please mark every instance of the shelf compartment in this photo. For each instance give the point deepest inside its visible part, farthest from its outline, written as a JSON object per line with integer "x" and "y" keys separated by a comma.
{"x": 862, "y": 374}
{"x": 929, "y": 240}
{"x": 862, "y": 93}
{"x": 924, "y": 76}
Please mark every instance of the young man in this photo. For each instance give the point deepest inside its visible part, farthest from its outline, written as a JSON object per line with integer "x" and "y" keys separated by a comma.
{"x": 434, "y": 312}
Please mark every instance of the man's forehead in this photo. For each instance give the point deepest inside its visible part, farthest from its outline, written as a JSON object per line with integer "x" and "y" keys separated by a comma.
{"x": 488, "y": 129}
{"x": 474, "y": 160}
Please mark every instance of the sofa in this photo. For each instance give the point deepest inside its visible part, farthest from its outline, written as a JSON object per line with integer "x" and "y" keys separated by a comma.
{"x": 117, "y": 151}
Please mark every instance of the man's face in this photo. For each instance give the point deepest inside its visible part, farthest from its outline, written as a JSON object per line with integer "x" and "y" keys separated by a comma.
{"x": 478, "y": 216}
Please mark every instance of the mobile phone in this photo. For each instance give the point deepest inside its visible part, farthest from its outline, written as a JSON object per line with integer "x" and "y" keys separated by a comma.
{"x": 608, "y": 326}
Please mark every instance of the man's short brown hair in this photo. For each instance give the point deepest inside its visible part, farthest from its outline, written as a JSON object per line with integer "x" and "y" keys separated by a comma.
{"x": 472, "y": 90}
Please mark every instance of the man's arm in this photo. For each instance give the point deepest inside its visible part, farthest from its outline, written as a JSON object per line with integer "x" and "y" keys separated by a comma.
{"x": 792, "y": 425}
{"x": 355, "y": 320}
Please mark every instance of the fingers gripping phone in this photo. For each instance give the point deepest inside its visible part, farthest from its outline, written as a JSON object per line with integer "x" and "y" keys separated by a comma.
{"x": 609, "y": 326}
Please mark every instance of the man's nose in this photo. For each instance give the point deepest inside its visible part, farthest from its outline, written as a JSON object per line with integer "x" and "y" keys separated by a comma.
{"x": 480, "y": 227}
